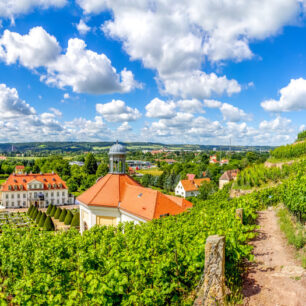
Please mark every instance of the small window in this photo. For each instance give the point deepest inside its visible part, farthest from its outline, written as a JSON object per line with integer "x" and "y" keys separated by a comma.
{"x": 7, "y": 196}
{"x": 18, "y": 196}
{"x": 24, "y": 195}
{"x": 12, "y": 196}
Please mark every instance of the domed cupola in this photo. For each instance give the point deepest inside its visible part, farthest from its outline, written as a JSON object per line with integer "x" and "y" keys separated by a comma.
{"x": 117, "y": 153}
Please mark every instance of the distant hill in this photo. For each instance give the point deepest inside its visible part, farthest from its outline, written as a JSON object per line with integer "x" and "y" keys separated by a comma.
{"x": 62, "y": 147}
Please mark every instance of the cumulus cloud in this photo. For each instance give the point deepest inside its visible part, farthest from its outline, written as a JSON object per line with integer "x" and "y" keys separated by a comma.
{"x": 177, "y": 37}
{"x": 55, "y": 111}
{"x": 232, "y": 113}
{"x": 117, "y": 111}
{"x": 191, "y": 106}
{"x": 292, "y": 98}
{"x": 83, "y": 70}
{"x": 82, "y": 27}
{"x": 124, "y": 127}
{"x": 197, "y": 84}
{"x": 278, "y": 124}
{"x": 11, "y": 105}
{"x": 212, "y": 103}
{"x": 160, "y": 109}
{"x": 31, "y": 50}
{"x": 11, "y": 8}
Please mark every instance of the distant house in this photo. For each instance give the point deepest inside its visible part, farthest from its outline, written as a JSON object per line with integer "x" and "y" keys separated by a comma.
{"x": 224, "y": 162}
{"x": 138, "y": 164}
{"x": 168, "y": 161}
{"x": 213, "y": 159}
{"x": 78, "y": 163}
{"x": 19, "y": 169}
{"x": 2, "y": 157}
{"x": 189, "y": 188}
{"x": 227, "y": 176}
{"x": 190, "y": 176}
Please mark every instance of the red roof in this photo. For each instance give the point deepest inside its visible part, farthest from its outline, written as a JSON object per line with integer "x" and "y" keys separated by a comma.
{"x": 193, "y": 185}
{"x": 190, "y": 176}
{"x": 229, "y": 175}
{"x": 18, "y": 180}
{"x": 121, "y": 191}
{"x": 21, "y": 167}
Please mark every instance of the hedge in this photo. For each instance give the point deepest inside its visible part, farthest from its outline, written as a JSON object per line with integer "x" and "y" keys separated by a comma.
{"x": 42, "y": 219}
{"x": 30, "y": 209}
{"x": 57, "y": 213}
{"x": 68, "y": 217}
{"x": 49, "y": 225}
{"x": 63, "y": 215}
{"x": 76, "y": 220}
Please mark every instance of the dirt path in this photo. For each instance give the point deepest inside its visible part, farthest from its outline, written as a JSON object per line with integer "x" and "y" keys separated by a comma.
{"x": 275, "y": 278}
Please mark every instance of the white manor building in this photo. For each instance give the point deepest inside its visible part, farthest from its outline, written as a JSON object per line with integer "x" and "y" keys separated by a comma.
{"x": 189, "y": 188}
{"x": 22, "y": 190}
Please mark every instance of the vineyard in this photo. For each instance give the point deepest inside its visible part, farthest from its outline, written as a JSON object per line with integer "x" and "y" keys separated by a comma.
{"x": 289, "y": 151}
{"x": 259, "y": 175}
{"x": 155, "y": 263}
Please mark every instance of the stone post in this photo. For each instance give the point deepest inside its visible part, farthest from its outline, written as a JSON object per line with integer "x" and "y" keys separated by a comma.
{"x": 239, "y": 214}
{"x": 212, "y": 291}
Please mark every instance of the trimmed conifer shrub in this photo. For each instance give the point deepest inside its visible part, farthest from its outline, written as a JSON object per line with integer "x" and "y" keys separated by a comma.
{"x": 76, "y": 220}
{"x": 57, "y": 213}
{"x": 30, "y": 209}
{"x": 53, "y": 210}
{"x": 42, "y": 219}
{"x": 49, "y": 225}
{"x": 34, "y": 214}
{"x": 38, "y": 217}
{"x": 63, "y": 215}
{"x": 49, "y": 209}
{"x": 68, "y": 218}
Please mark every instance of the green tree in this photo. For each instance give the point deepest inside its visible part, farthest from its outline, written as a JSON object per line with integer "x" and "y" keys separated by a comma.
{"x": 76, "y": 220}
{"x": 68, "y": 217}
{"x": 206, "y": 189}
{"x": 42, "y": 219}
{"x": 63, "y": 215}
{"x": 53, "y": 210}
{"x": 102, "y": 170}
{"x": 49, "y": 209}
{"x": 49, "y": 225}
{"x": 38, "y": 217}
{"x": 57, "y": 213}
{"x": 90, "y": 166}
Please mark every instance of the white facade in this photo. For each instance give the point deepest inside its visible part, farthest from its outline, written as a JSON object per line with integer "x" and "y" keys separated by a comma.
{"x": 180, "y": 191}
{"x": 98, "y": 215}
{"x": 35, "y": 194}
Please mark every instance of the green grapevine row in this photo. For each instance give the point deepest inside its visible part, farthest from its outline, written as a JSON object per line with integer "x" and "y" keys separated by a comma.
{"x": 290, "y": 151}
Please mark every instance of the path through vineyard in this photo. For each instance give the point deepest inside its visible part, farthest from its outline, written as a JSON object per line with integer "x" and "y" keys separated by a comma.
{"x": 275, "y": 278}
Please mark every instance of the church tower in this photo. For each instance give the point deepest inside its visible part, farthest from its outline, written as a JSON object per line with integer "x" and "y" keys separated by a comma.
{"x": 117, "y": 153}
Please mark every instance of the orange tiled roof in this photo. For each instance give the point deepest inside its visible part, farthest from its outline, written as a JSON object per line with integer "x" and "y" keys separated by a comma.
{"x": 19, "y": 180}
{"x": 20, "y": 167}
{"x": 121, "y": 191}
{"x": 190, "y": 176}
{"x": 193, "y": 185}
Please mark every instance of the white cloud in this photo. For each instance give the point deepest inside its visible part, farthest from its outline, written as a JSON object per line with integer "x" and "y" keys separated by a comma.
{"x": 124, "y": 127}
{"x": 11, "y": 105}
{"x": 197, "y": 84}
{"x": 66, "y": 95}
{"x": 11, "y": 8}
{"x": 176, "y": 37}
{"x": 32, "y": 50}
{"x": 160, "y": 109}
{"x": 278, "y": 124}
{"x": 191, "y": 106}
{"x": 292, "y": 98}
{"x": 232, "y": 113}
{"x": 55, "y": 111}
{"x": 212, "y": 103}
{"x": 302, "y": 128}
{"x": 82, "y": 27}
{"x": 117, "y": 111}
{"x": 83, "y": 70}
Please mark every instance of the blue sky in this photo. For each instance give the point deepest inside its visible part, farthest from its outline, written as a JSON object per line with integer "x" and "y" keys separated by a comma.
{"x": 182, "y": 71}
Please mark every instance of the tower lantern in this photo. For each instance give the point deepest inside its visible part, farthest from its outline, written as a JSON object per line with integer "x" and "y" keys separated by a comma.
{"x": 117, "y": 153}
